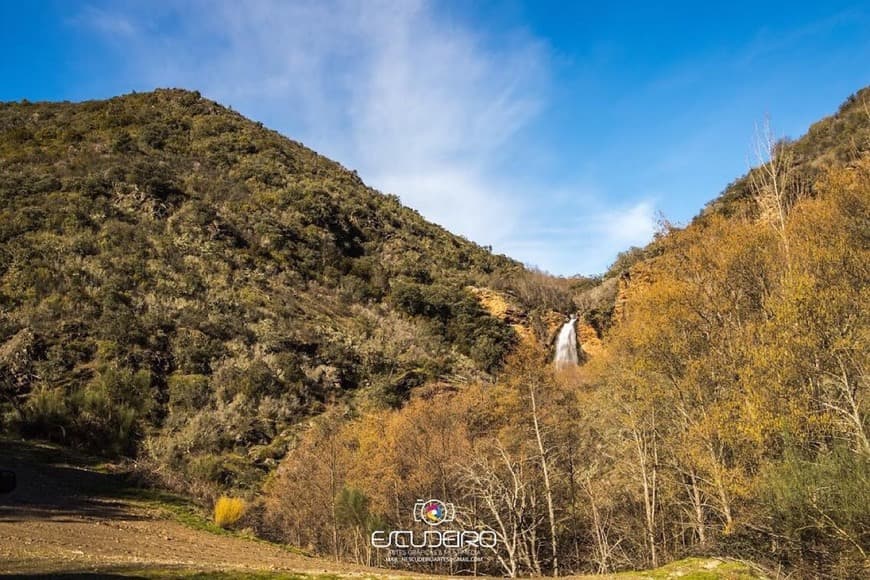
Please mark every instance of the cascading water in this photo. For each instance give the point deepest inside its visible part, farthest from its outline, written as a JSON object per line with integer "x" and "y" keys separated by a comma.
{"x": 566, "y": 344}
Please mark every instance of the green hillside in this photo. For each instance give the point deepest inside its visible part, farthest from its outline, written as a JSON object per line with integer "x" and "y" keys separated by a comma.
{"x": 175, "y": 276}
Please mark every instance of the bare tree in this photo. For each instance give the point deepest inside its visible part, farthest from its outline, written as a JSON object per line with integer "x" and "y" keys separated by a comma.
{"x": 605, "y": 549}
{"x": 546, "y": 472}
{"x": 776, "y": 183}
{"x": 506, "y": 502}
{"x": 645, "y": 439}
{"x": 841, "y": 393}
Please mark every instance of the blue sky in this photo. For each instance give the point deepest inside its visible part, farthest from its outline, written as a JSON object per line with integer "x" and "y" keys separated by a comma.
{"x": 556, "y": 132}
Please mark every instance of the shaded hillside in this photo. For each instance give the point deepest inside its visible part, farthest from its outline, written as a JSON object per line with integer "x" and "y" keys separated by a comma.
{"x": 172, "y": 272}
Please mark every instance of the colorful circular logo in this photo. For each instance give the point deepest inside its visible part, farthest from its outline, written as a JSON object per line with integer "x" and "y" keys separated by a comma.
{"x": 433, "y": 512}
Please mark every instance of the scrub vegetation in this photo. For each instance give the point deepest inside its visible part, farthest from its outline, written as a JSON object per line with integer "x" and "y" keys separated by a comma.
{"x": 238, "y": 315}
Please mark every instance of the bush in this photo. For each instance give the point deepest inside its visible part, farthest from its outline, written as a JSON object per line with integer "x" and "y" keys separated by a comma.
{"x": 228, "y": 511}
{"x": 821, "y": 505}
{"x": 102, "y": 424}
{"x": 625, "y": 260}
{"x": 188, "y": 393}
{"x": 47, "y": 414}
{"x": 457, "y": 316}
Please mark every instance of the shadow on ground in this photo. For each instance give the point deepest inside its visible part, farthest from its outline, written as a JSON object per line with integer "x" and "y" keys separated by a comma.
{"x": 76, "y": 575}
{"x": 175, "y": 573}
{"x": 57, "y": 484}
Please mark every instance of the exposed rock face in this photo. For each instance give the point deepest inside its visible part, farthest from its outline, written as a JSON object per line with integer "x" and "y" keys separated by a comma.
{"x": 503, "y": 308}
{"x": 553, "y": 321}
{"x": 621, "y": 297}
{"x": 499, "y": 305}
{"x": 590, "y": 342}
{"x": 600, "y": 297}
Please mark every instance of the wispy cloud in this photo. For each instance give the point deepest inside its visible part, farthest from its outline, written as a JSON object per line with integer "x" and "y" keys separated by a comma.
{"x": 586, "y": 241}
{"x": 107, "y": 22}
{"x": 421, "y": 105}
{"x": 631, "y": 226}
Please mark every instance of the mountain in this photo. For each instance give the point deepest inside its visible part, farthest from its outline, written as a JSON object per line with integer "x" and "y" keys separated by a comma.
{"x": 177, "y": 276}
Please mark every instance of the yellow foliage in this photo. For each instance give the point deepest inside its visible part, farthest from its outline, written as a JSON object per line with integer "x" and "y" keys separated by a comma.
{"x": 228, "y": 511}
{"x": 495, "y": 303}
{"x": 589, "y": 341}
{"x": 730, "y": 352}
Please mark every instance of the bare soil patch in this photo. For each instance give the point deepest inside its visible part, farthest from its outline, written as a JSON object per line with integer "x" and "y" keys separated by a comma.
{"x": 67, "y": 516}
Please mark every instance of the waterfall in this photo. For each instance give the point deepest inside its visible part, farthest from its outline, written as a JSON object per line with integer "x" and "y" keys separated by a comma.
{"x": 566, "y": 344}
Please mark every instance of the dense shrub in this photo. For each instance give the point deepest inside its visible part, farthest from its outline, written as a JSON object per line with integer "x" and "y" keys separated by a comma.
{"x": 197, "y": 282}
{"x": 457, "y": 316}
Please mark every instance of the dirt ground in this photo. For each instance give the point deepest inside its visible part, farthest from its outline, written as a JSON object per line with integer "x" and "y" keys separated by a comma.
{"x": 66, "y": 517}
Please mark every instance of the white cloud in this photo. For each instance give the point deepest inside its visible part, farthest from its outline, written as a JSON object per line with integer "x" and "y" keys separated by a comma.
{"x": 457, "y": 199}
{"x": 629, "y": 227}
{"x": 584, "y": 241}
{"x": 417, "y": 104}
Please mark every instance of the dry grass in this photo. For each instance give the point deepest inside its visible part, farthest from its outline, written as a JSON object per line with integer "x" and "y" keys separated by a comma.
{"x": 228, "y": 511}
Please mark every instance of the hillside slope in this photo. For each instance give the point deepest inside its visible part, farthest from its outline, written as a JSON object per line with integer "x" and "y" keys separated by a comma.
{"x": 738, "y": 353}
{"x": 173, "y": 273}
{"x": 834, "y": 140}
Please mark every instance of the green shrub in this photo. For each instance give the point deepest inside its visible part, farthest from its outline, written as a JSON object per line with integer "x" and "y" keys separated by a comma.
{"x": 103, "y": 425}
{"x": 458, "y": 317}
{"x": 188, "y": 393}
{"x": 154, "y": 136}
{"x": 123, "y": 143}
{"x": 821, "y": 503}
{"x": 46, "y": 413}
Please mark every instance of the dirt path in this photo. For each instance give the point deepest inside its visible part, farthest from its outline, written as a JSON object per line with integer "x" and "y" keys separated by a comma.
{"x": 67, "y": 517}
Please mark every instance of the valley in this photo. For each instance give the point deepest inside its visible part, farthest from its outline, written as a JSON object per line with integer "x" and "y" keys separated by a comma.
{"x": 196, "y": 311}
